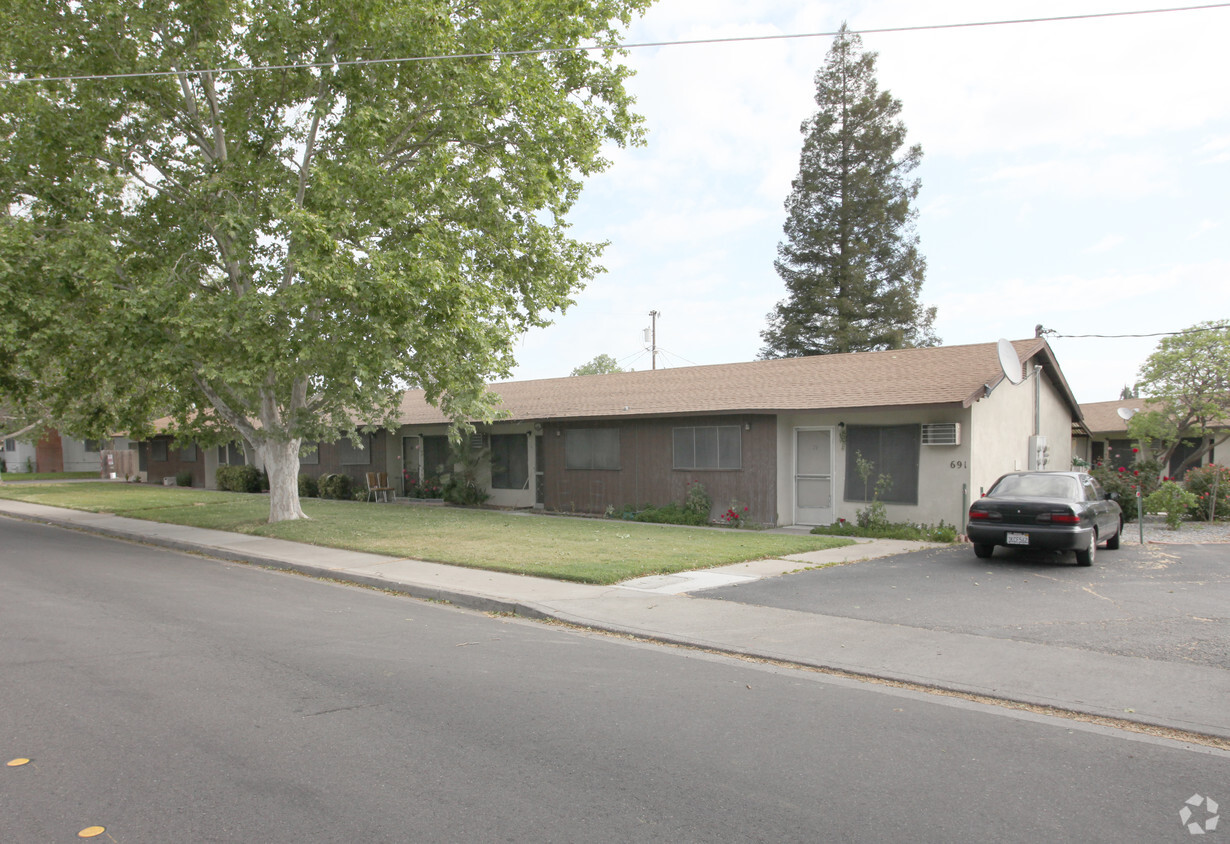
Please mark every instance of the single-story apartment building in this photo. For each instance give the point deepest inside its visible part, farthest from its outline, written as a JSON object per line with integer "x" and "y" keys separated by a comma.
{"x": 801, "y": 441}
{"x": 49, "y": 451}
{"x": 1106, "y": 438}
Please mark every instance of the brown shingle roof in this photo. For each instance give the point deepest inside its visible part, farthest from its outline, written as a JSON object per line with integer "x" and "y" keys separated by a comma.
{"x": 907, "y": 377}
{"x": 1102, "y": 417}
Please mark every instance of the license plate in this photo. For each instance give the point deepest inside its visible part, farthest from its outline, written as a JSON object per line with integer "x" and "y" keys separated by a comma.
{"x": 1017, "y": 539}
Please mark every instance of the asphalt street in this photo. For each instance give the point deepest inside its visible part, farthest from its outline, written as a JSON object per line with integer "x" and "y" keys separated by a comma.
{"x": 168, "y": 697}
{"x": 1165, "y": 602}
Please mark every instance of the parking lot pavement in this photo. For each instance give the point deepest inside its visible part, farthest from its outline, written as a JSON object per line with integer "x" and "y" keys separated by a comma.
{"x": 1155, "y": 602}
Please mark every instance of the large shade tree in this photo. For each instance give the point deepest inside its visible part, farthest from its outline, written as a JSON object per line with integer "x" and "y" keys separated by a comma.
{"x": 850, "y": 260}
{"x": 1186, "y": 384}
{"x": 254, "y": 217}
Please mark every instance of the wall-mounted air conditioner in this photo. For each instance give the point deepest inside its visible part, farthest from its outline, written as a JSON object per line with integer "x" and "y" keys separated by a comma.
{"x": 941, "y": 433}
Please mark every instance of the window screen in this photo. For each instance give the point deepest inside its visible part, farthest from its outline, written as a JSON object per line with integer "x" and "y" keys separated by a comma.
{"x": 187, "y": 454}
{"x": 349, "y": 454}
{"x": 510, "y": 461}
{"x": 892, "y": 451}
{"x": 231, "y": 454}
{"x": 711, "y": 447}
{"x": 309, "y": 458}
{"x": 158, "y": 451}
{"x": 591, "y": 448}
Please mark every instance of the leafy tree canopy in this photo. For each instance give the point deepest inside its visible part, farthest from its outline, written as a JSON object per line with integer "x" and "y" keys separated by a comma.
{"x": 850, "y": 260}
{"x": 280, "y": 252}
{"x": 601, "y": 365}
{"x": 1186, "y": 382}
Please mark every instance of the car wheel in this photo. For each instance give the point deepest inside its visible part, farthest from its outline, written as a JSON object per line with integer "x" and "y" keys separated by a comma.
{"x": 1085, "y": 558}
{"x": 1113, "y": 543}
{"x": 983, "y": 551}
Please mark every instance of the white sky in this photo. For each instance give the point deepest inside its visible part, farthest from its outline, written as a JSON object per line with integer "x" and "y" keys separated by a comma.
{"x": 1075, "y": 174}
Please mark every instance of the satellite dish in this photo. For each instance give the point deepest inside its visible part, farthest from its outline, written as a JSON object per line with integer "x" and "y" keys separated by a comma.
{"x": 1126, "y": 413}
{"x": 1009, "y": 362}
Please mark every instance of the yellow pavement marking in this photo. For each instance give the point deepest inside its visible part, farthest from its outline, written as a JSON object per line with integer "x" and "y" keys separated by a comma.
{"x": 16, "y": 763}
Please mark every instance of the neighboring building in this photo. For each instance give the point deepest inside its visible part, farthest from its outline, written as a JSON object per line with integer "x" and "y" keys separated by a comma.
{"x": 781, "y": 437}
{"x": 52, "y": 453}
{"x": 1107, "y": 441}
{"x": 19, "y": 455}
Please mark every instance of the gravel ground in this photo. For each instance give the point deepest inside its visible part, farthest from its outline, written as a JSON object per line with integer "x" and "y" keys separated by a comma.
{"x": 1187, "y": 534}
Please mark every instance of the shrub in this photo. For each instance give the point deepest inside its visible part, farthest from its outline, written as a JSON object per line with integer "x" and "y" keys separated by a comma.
{"x": 464, "y": 491}
{"x": 1145, "y": 474}
{"x": 308, "y": 487}
{"x": 1210, "y": 483}
{"x": 1173, "y": 500}
{"x": 694, "y": 510}
{"x": 335, "y": 485}
{"x": 734, "y": 516}
{"x": 415, "y": 488}
{"x": 891, "y": 530}
{"x": 697, "y": 503}
{"x": 183, "y": 478}
{"x": 238, "y": 479}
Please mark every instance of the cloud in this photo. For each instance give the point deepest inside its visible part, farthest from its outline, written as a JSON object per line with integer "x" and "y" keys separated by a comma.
{"x": 1106, "y": 244}
{"x": 1204, "y": 228}
{"x": 1117, "y": 176}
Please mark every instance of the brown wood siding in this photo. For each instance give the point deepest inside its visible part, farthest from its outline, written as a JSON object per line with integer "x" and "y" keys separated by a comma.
{"x": 156, "y": 470}
{"x": 646, "y": 474}
{"x": 330, "y": 461}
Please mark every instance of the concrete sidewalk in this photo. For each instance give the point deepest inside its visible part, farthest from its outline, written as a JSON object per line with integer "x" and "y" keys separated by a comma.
{"x": 1181, "y": 696}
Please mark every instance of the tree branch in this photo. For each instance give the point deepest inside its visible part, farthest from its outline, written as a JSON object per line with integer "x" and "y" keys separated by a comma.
{"x": 305, "y": 168}
{"x": 232, "y": 417}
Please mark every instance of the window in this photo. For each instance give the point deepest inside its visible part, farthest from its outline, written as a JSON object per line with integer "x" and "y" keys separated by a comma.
{"x": 892, "y": 451}
{"x": 92, "y": 445}
{"x": 713, "y": 447}
{"x": 187, "y": 454}
{"x": 10, "y": 444}
{"x": 158, "y": 451}
{"x": 309, "y": 458}
{"x": 436, "y": 460}
{"x": 510, "y": 461}
{"x": 591, "y": 448}
{"x": 348, "y": 454}
{"x": 231, "y": 455}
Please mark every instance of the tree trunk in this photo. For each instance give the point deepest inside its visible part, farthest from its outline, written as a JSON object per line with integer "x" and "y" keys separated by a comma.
{"x": 281, "y": 461}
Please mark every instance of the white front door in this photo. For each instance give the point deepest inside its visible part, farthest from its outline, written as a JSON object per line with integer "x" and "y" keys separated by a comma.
{"x": 813, "y": 476}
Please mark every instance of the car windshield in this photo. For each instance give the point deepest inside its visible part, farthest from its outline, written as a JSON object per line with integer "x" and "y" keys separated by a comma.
{"x": 1037, "y": 486}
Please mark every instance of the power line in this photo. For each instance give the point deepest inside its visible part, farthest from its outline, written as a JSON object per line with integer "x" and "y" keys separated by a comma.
{"x": 1058, "y": 336}
{"x": 594, "y": 47}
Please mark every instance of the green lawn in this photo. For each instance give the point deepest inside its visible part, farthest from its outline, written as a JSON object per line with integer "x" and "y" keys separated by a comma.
{"x": 47, "y": 476}
{"x": 585, "y": 550}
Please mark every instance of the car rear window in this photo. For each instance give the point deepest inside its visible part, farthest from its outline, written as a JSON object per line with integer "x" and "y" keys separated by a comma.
{"x": 1037, "y": 486}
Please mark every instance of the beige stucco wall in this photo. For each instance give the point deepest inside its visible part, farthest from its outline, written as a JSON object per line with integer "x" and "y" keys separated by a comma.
{"x": 942, "y": 470}
{"x": 1003, "y": 423}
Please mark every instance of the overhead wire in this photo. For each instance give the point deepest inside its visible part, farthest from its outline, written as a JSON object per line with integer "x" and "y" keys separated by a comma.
{"x": 538, "y": 51}
{"x": 1053, "y": 333}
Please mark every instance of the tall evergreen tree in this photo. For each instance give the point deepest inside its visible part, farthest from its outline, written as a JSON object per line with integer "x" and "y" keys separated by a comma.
{"x": 850, "y": 259}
